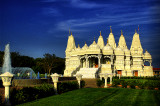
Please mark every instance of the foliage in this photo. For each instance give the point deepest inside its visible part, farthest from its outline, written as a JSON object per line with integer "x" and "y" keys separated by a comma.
{"x": 27, "y": 94}
{"x": 49, "y": 63}
{"x": 115, "y": 82}
{"x": 99, "y": 82}
{"x": 82, "y": 83}
{"x": 67, "y": 86}
{"x": 0, "y": 100}
{"x": 124, "y": 83}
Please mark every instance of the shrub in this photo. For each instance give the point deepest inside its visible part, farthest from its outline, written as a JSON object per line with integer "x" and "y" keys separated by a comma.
{"x": 67, "y": 86}
{"x": 141, "y": 85}
{"x": 27, "y": 94}
{"x": 0, "y": 100}
{"x": 45, "y": 90}
{"x": 132, "y": 83}
{"x": 82, "y": 84}
{"x": 99, "y": 82}
{"x": 124, "y": 83}
{"x": 116, "y": 82}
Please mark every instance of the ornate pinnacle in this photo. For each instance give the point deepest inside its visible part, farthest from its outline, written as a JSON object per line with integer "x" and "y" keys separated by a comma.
{"x": 121, "y": 32}
{"x": 111, "y": 29}
{"x": 100, "y": 33}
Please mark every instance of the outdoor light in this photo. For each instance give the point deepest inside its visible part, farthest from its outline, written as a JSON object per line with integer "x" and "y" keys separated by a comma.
{"x": 79, "y": 78}
{"x": 105, "y": 77}
{"x": 28, "y": 73}
{"x": 55, "y": 77}
{"x": 6, "y": 78}
{"x": 18, "y": 74}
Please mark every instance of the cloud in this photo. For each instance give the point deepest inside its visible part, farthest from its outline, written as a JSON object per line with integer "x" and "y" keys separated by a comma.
{"x": 49, "y": 11}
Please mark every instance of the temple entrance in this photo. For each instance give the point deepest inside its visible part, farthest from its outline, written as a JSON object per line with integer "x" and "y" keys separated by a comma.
{"x": 119, "y": 72}
{"x": 135, "y": 73}
{"x": 96, "y": 63}
{"x": 93, "y": 62}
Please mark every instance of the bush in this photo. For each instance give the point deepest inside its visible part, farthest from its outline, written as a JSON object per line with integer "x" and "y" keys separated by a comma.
{"x": 45, "y": 90}
{"x": 27, "y": 94}
{"x": 0, "y": 100}
{"x": 132, "y": 83}
{"x": 124, "y": 83}
{"x": 99, "y": 82}
{"x": 141, "y": 85}
{"x": 116, "y": 82}
{"x": 67, "y": 86}
{"x": 83, "y": 84}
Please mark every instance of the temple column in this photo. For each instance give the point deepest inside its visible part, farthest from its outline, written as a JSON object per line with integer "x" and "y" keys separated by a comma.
{"x": 99, "y": 60}
{"x": 86, "y": 56}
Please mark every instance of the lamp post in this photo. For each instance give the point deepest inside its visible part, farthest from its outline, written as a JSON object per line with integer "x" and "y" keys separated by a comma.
{"x": 55, "y": 77}
{"x": 79, "y": 78}
{"x": 105, "y": 77}
{"x": 6, "y": 78}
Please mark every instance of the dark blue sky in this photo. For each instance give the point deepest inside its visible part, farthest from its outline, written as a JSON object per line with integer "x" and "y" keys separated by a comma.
{"x": 36, "y": 27}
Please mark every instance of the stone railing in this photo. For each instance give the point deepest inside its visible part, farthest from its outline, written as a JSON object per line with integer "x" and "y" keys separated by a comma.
{"x": 75, "y": 71}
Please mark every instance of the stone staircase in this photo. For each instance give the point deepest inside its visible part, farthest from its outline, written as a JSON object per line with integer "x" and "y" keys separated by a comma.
{"x": 88, "y": 72}
{"x": 90, "y": 82}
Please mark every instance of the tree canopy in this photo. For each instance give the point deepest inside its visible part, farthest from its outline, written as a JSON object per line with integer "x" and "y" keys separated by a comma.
{"x": 50, "y": 63}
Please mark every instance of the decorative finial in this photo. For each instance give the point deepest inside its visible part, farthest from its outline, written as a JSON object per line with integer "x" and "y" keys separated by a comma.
{"x": 107, "y": 40}
{"x": 135, "y": 31}
{"x": 138, "y": 28}
{"x": 111, "y": 29}
{"x": 78, "y": 46}
{"x": 94, "y": 38}
{"x": 85, "y": 42}
{"x": 71, "y": 32}
{"x": 121, "y": 32}
{"x": 145, "y": 50}
{"x": 100, "y": 33}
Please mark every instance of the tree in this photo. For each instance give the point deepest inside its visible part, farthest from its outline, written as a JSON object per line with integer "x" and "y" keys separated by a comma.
{"x": 49, "y": 62}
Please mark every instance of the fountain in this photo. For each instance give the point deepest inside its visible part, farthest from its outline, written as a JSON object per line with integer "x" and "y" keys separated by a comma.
{"x": 7, "y": 73}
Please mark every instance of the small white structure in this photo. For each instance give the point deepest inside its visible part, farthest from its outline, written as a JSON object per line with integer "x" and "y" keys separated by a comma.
{"x": 55, "y": 77}
{"x": 105, "y": 77}
{"x": 6, "y": 78}
{"x": 79, "y": 78}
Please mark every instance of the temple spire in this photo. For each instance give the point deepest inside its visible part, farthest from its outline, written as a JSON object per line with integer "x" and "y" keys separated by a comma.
{"x": 71, "y": 32}
{"x": 121, "y": 32}
{"x": 110, "y": 29}
{"x": 100, "y": 33}
{"x": 135, "y": 31}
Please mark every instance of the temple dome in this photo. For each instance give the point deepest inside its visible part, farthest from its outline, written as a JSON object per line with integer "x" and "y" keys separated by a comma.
{"x": 85, "y": 47}
{"x": 94, "y": 49}
{"x": 107, "y": 50}
{"x": 100, "y": 41}
{"x": 147, "y": 55}
{"x": 127, "y": 51}
{"x": 119, "y": 51}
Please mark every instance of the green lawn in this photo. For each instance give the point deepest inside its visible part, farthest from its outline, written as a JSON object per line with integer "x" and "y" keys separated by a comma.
{"x": 102, "y": 96}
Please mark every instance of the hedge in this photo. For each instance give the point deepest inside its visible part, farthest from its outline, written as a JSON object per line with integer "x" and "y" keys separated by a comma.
{"x": 0, "y": 100}
{"x": 134, "y": 77}
{"x": 148, "y": 84}
{"x": 27, "y": 94}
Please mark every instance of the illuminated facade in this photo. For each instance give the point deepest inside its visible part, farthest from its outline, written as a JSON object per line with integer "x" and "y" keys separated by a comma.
{"x": 98, "y": 58}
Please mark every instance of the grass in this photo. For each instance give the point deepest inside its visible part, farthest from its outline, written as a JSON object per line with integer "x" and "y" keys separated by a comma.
{"x": 101, "y": 96}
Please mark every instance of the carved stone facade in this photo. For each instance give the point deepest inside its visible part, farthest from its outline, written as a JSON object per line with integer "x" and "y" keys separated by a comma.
{"x": 100, "y": 58}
